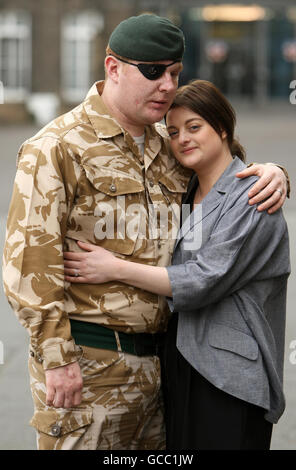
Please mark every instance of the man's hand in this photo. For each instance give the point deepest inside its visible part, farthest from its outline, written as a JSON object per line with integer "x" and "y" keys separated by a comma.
{"x": 271, "y": 186}
{"x": 64, "y": 386}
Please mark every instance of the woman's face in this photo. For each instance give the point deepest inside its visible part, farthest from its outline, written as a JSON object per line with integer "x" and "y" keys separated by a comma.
{"x": 193, "y": 140}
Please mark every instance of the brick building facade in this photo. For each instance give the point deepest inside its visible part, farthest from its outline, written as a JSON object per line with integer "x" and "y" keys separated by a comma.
{"x": 51, "y": 52}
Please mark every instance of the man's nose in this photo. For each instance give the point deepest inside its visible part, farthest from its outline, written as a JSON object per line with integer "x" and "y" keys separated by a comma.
{"x": 167, "y": 82}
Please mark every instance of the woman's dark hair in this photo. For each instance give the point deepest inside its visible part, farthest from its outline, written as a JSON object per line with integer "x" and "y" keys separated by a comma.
{"x": 204, "y": 98}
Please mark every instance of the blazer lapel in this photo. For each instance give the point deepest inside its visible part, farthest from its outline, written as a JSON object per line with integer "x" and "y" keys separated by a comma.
{"x": 200, "y": 212}
{"x": 212, "y": 200}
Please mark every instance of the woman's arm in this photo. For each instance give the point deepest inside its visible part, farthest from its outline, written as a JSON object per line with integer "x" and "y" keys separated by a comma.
{"x": 97, "y": 265}
{"x": 239, "y": 250}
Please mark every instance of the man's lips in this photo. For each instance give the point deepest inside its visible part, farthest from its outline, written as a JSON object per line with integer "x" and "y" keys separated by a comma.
{"x": 159, "y": 103}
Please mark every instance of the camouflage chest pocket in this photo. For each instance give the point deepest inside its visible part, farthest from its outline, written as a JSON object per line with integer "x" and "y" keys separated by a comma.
{"x": 172, "y": 193}
{"x": 118, "y": 210}
{"x": 172, "y": 189}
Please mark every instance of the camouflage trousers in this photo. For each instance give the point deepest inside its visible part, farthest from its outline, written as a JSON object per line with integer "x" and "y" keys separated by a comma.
{"x": 121, "y": 406}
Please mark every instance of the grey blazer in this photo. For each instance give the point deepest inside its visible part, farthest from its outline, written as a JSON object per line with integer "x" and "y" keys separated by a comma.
{"x": 229, "y": 280}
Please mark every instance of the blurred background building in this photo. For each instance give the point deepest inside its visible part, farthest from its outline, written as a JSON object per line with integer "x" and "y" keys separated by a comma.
{"x": 52, "y": 52}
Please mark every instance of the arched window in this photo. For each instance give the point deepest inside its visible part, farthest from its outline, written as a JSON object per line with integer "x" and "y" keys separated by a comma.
{"x": 15, "y": 54}
{"x": 79, "y": 32}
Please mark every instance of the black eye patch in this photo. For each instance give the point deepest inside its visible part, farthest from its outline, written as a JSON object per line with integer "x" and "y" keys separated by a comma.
{"x": 150, "y": 71}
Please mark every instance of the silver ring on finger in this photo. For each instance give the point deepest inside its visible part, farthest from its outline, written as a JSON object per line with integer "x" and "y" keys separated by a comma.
{"x": 279, "y": 191}
{"x": 76, "y": 273}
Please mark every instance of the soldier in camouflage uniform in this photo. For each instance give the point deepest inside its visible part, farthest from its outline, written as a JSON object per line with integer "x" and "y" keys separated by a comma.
{"x": 94, "y": 370}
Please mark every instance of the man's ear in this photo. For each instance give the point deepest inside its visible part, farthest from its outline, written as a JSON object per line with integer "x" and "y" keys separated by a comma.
{"x": 112, "y": 68}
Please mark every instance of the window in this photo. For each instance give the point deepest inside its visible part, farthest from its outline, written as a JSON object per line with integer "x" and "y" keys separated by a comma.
{"x": 79, "y": 32}
{"x": 15, "y": 54}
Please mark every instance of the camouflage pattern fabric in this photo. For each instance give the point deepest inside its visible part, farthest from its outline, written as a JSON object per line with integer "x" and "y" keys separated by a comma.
{"x": 120, "y": 411}
{"x": 82, "y": 177}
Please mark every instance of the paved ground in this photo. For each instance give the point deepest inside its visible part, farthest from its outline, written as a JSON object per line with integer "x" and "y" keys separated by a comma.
{"x": 269, "y": 135}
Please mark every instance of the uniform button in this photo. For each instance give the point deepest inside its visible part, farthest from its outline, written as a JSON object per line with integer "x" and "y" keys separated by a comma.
{"x": 55, "y": 430}
{"x": 112, "y": 188}
{"x": 183, "y": 185}
{"x": 151, "y": 183}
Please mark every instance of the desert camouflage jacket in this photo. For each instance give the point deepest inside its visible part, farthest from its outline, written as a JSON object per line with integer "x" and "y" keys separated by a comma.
{"x": 82, "y": 177}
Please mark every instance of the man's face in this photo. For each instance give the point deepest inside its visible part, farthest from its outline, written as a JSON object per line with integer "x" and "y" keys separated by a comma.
{"x": 144, "y": 101}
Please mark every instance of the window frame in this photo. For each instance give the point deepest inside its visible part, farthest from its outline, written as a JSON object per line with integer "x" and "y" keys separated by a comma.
{"x": 15, "y": 28}
{"x": 78, "y": 34}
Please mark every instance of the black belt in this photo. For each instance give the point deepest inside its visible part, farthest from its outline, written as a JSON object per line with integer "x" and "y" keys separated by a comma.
{"x": 98, "y": 336}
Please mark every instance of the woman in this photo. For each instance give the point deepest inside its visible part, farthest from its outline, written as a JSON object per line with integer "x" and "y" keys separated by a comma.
{"x": 223, "y": 353}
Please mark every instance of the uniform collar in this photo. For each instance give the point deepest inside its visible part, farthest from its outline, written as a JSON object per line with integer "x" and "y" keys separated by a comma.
{"x": 103, "y": 123}
{"x": 106, "y": 126}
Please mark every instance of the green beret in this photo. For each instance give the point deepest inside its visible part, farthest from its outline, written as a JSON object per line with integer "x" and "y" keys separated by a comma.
{"x": 147, "y": 38}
